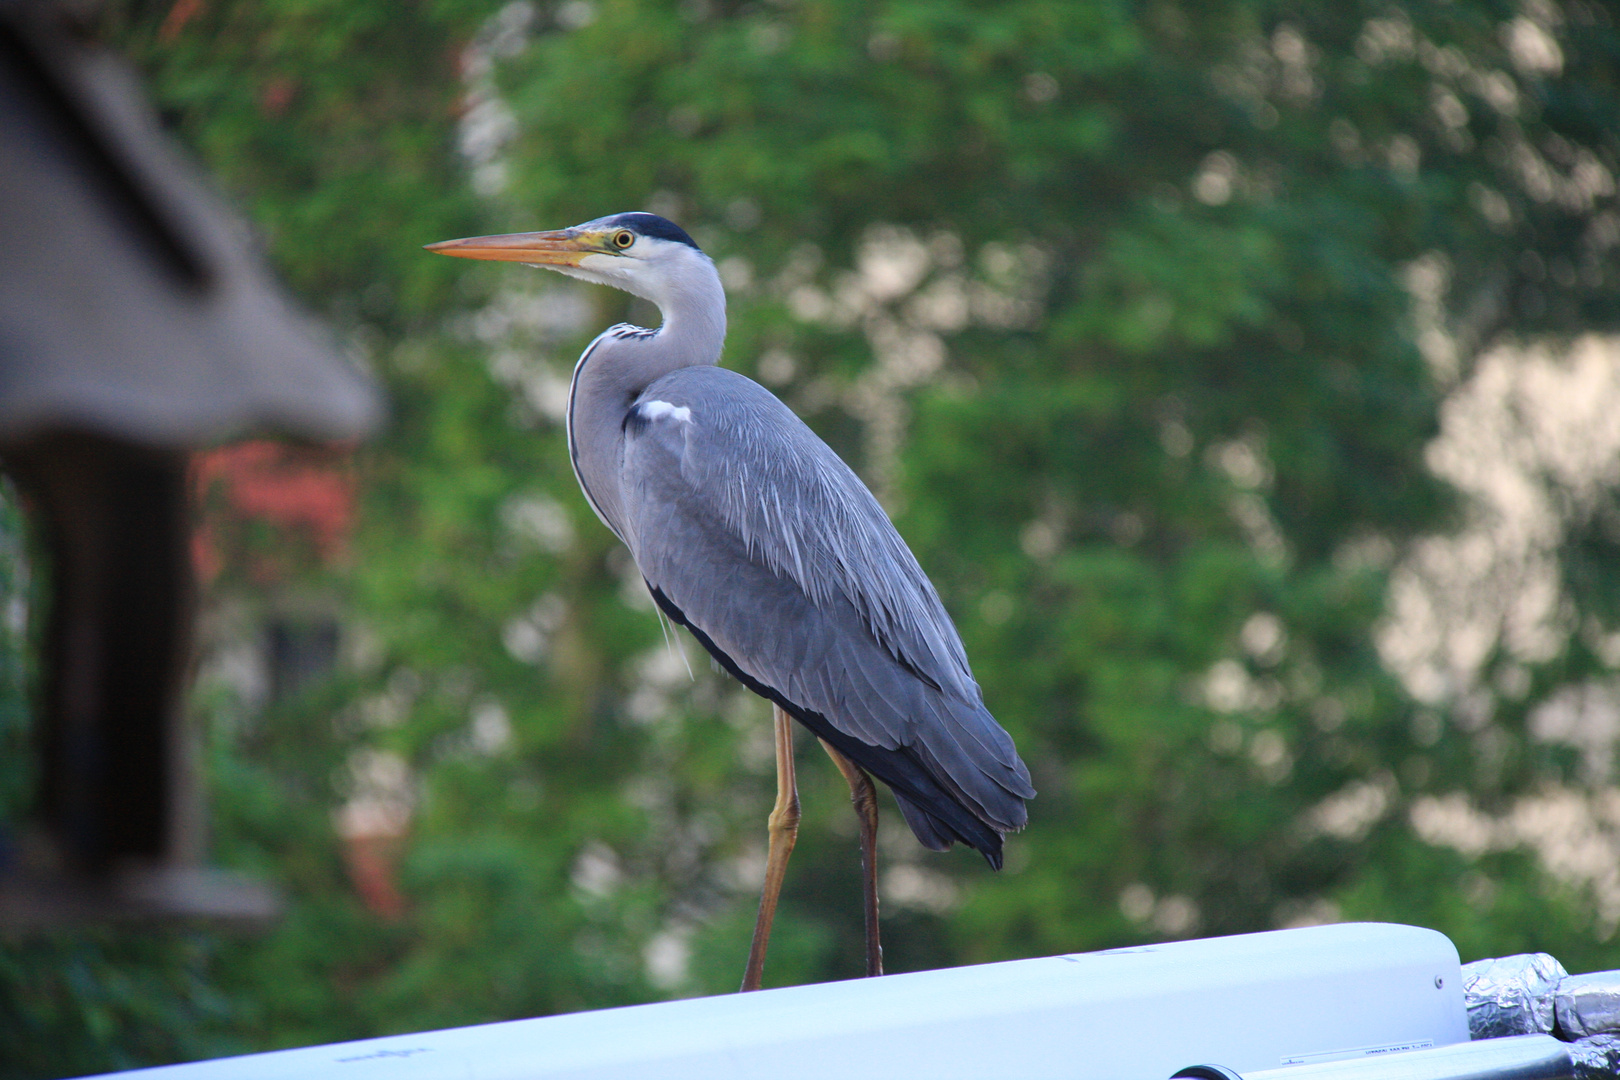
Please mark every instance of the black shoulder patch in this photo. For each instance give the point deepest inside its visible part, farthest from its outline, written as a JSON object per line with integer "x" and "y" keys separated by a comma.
{"x": 635, "y": 421}
{"x": 652, "y": 225}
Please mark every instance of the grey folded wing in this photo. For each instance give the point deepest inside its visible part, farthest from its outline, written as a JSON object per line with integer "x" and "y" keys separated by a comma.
{"x": 751, "y": 531}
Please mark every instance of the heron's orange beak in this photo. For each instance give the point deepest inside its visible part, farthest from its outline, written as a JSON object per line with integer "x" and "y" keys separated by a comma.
{"x": 564, "y": 247}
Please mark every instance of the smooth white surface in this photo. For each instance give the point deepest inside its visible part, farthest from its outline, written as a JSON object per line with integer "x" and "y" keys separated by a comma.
{"x": 1256, "y": 1001}
{"x": 1517, "y": 1057}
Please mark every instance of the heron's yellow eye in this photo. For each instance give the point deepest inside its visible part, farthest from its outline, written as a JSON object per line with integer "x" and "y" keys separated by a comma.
{"x": 623, "y": 239}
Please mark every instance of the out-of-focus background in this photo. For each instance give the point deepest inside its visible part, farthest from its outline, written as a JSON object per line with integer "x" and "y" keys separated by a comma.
{"x": 1237, "y": 370}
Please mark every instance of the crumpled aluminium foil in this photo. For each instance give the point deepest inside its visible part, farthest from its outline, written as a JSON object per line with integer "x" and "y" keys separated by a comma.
{"x": 1511, "y": 995}
{"x": 1588, "y": 1004}
{"x": 1596, "y": 1058}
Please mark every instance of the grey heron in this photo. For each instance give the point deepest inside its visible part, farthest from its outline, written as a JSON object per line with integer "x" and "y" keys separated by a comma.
{"x": 756, "y": 537}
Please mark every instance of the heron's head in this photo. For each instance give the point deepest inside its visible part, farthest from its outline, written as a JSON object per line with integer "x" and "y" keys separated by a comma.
{"x": 642, "y": 254}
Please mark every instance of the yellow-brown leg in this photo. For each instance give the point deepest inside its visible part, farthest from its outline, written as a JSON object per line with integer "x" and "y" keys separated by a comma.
{"x": 784, "y": 830}
{"x": 864, "y": 798}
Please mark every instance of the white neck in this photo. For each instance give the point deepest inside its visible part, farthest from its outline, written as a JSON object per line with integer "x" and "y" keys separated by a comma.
{"x": 693, "y": 303}
{"x": 618, "y": 367}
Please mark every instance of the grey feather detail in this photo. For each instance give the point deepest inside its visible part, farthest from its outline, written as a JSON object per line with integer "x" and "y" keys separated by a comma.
{"x": 770, "y": 545}
{"x": 929, "y": 832}
{"x": 800, "y": 510}
{"x": 570, "y": 432}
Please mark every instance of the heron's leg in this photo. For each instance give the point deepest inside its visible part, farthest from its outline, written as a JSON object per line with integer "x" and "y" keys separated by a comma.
{"x": 864, "y": 797}
{"x": 784, "y": 830}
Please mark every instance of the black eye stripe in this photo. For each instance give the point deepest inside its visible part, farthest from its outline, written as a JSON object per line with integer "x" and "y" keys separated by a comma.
{"x": 650, "y": 225}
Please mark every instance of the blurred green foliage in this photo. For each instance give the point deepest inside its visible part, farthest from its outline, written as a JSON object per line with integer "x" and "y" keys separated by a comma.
{"x": 1113, "y": 303}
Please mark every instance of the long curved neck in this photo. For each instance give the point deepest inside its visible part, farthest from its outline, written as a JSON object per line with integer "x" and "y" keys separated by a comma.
{"x": 693, "y": 304}
{"x": 621, "y": 363}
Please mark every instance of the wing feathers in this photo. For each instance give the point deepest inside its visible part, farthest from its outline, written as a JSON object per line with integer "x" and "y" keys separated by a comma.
{"x": 750, "y": 531}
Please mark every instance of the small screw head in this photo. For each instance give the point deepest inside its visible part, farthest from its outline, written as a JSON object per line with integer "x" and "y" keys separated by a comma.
{"x": 1439, "y": 982}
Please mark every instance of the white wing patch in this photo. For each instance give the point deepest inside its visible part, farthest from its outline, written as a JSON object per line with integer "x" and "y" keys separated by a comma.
{"x": 663, "y": 410}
